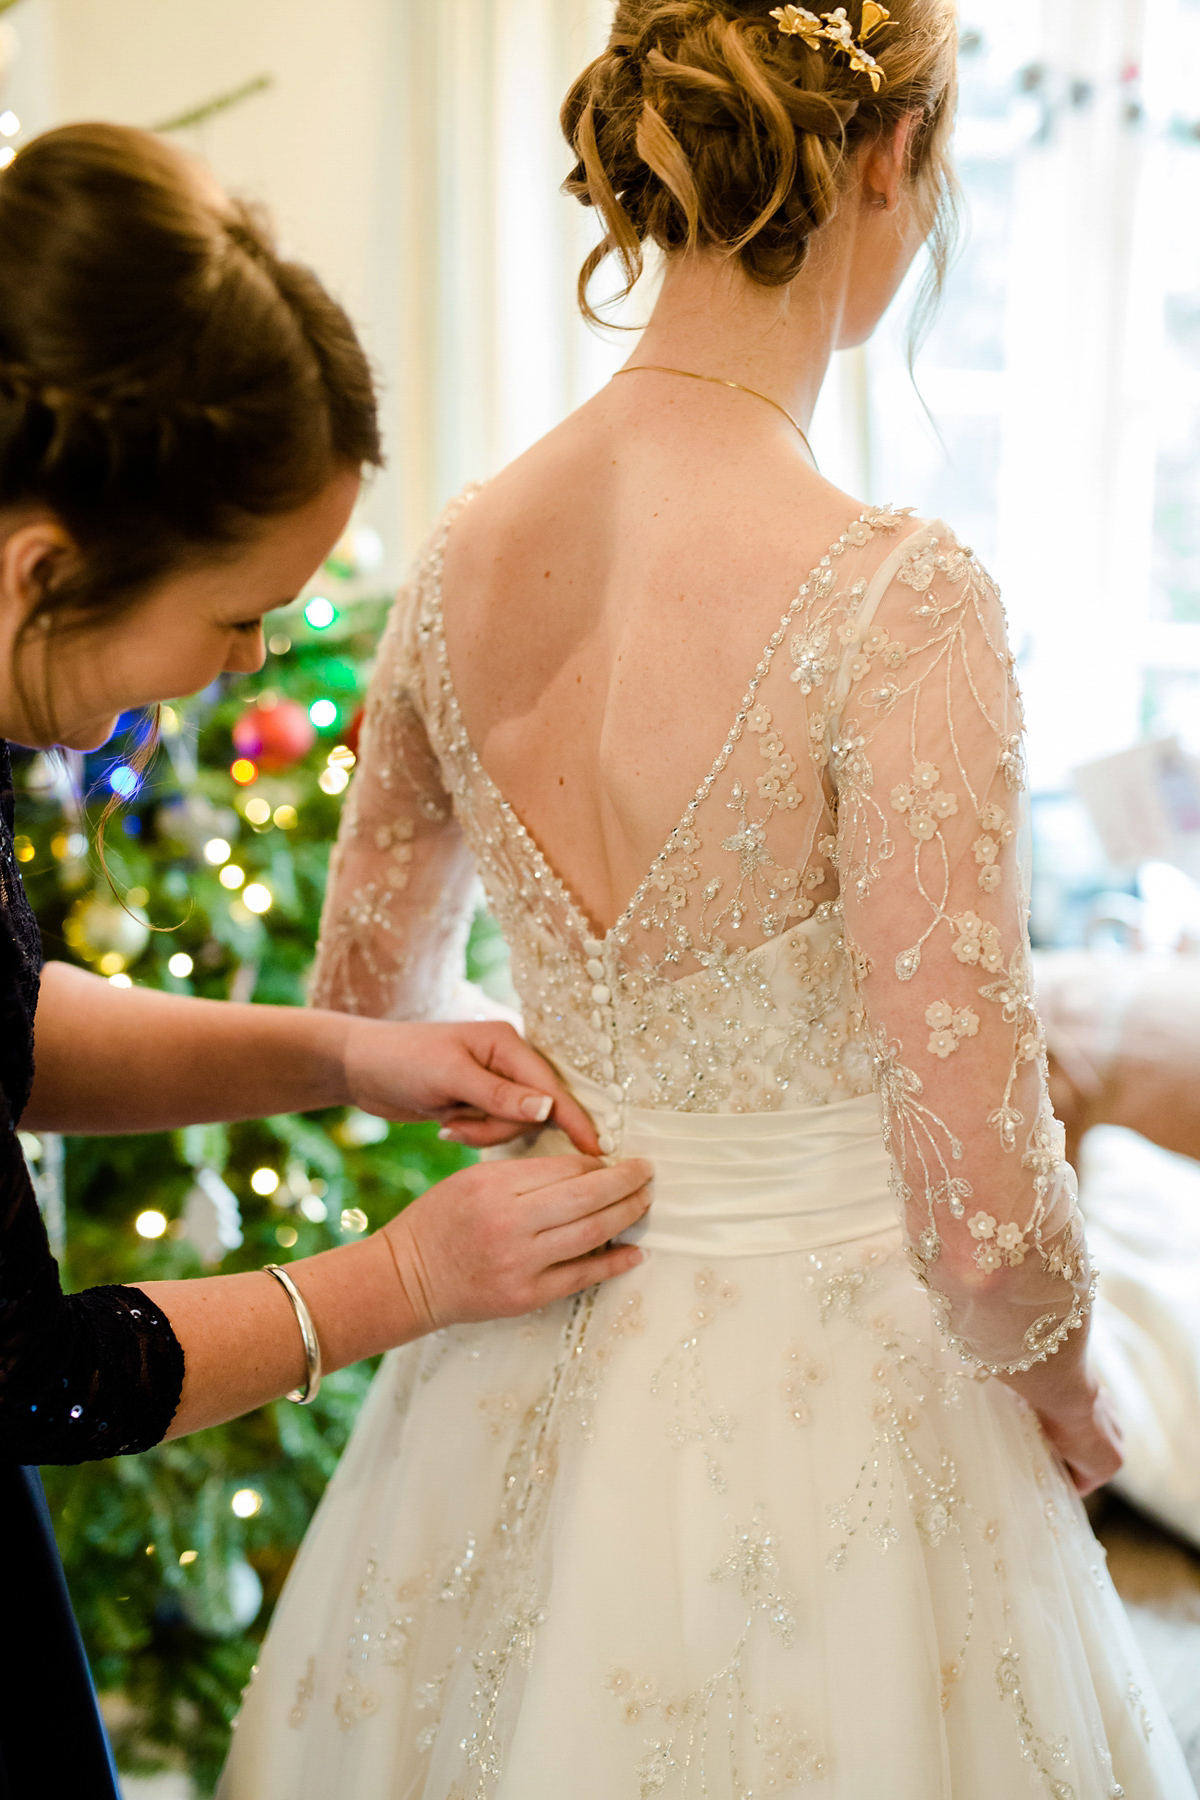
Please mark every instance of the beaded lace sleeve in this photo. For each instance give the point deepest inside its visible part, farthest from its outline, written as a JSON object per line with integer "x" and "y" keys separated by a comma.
{"x": 401, "y": 881}
{"x": 928, "y": 772}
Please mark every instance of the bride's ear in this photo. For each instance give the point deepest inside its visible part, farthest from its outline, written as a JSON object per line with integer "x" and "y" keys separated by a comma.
{"x": 884, "y": 169}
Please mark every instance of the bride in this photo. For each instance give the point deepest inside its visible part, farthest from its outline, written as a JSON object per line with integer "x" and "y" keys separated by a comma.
{"x": 796, "y": 1503}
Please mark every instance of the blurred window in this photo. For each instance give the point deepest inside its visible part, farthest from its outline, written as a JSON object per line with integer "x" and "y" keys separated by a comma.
{"x": 1063, "y": 371}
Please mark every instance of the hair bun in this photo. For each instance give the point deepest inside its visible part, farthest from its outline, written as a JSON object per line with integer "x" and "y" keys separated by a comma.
{"x": 167, "y": 381}
{"x": 703, "y": 125}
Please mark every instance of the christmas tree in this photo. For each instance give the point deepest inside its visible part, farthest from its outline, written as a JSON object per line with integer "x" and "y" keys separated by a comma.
{"x": 218, "y": 851}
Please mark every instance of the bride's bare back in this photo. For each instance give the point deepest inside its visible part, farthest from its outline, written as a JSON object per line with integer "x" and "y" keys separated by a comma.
{"x": 606, "y": 600}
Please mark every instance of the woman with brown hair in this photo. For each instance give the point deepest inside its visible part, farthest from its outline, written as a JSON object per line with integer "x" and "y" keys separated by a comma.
{"x": 796, "y": 1504}
{"x": 184, "y": 422}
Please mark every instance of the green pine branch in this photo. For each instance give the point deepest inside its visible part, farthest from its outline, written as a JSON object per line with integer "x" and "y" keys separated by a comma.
{"x": 208, "y": 109}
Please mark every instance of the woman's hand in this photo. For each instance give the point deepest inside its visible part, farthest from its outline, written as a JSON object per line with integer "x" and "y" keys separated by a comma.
{"x": 131, "y": 1059}
{"x": 1075, "y": 1412}
{"x": 1087, "y": 1437}
{"x": 490, "y": 1242}
{"x": 505, "y": 1238}
{"x": 481, "y": 1080}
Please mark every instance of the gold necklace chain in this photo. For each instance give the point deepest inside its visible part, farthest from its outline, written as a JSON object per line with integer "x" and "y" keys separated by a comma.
{"x": 720, "y": 381}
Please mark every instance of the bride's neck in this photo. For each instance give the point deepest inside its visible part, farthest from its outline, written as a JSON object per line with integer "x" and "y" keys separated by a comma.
{"x": 710, "y": 318}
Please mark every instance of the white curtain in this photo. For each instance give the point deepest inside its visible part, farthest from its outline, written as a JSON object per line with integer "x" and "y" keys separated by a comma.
{"x": 487, "y": 351}
{"x": 1075, "y": 489}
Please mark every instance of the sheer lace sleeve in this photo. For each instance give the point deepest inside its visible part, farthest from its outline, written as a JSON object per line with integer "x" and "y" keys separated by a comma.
{"x": 928, "y": 773}
{"x": 399, "y": 901}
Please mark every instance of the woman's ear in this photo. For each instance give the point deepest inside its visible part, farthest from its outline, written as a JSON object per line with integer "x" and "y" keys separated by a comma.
{"x": 29, "y": 554}
{"x": 885, "y": 165}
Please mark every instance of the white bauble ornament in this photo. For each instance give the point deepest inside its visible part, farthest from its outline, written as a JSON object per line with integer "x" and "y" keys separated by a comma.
{"x": 221, "y": 1598}
{"x": 212, "y": 1220}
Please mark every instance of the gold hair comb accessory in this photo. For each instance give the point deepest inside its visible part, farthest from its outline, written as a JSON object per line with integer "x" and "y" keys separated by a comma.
{"x": 835, "y": 28}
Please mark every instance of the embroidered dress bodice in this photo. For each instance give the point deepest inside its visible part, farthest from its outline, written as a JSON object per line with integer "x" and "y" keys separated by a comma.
{"x": 840, "y": 910}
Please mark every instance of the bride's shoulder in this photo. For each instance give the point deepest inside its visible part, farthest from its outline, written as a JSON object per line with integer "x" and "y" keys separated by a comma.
{"x": 911, "y": 551}
{"x": 535, "y": 510}
{"x": 857, "y": 543}
{"x": 919, "y": 578}
{"x": 544, "y": 480}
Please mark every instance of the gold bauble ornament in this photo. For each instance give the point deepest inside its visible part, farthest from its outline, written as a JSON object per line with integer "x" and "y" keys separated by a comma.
{"x": 106, "y": 932}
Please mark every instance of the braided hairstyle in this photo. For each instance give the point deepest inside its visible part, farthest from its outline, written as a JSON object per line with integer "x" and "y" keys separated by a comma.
{"x": 168, "y": 383}
{"x": 702, "y": 125}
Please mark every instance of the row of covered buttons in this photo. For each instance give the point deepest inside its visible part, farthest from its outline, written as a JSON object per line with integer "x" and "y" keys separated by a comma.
{"x": 604, "y": 1025}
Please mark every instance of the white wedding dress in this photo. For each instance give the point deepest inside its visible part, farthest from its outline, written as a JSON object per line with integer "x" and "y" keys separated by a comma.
{"x": 753, "y": 1519}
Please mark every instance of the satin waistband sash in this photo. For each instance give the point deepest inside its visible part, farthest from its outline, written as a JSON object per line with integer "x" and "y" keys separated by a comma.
{"x": 755, "y": 1184}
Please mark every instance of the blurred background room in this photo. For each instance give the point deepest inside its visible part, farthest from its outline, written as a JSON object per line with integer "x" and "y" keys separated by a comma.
{"x": 409, "y": 150}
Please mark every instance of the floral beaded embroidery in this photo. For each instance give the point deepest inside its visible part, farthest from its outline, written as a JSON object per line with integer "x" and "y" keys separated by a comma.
{"x": 803, "y": 1373}
{"x": 306, "y": 1687}
{"x": 694, "y": 1418}
{"x": 719, "y": 1719}
{"x": 949, "y": 1027}
{"x": 626, "y": 1320}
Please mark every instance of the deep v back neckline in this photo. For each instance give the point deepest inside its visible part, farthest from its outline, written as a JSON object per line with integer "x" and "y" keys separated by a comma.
{"x": 596, "y": 938}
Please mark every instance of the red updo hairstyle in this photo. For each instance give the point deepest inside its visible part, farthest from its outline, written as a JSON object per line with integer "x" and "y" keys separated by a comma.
{"x": 702, "y": 125}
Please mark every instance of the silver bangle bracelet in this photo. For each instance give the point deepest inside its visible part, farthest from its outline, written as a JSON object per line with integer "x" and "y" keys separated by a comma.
{"x": 312, "y": 1347}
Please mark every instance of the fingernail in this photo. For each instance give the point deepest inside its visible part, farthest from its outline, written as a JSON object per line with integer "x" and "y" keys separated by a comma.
{"x": 537, "y": 1107}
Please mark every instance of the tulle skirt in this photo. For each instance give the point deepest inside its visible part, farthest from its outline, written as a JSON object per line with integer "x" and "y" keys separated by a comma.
{"x": 738, "y": 1524}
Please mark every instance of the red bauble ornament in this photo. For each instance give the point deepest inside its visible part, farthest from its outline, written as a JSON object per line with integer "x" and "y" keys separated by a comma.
{"x": 275, "y": 736}
{"x": 350, "y": 736}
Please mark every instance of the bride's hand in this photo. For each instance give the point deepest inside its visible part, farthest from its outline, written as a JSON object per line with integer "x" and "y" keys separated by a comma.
{"x": 482, "y": 1081}
{"x": 504, "y": 1238}
{"x": 1088, "y": 1438}
{"x": 1076, "y": 1414}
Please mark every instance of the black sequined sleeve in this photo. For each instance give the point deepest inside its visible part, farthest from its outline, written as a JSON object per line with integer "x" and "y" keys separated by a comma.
{"x": 82, "y": 1376}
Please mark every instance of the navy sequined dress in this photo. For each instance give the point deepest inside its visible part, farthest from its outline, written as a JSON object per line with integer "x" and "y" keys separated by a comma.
{"x": 82, "y": 1376}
